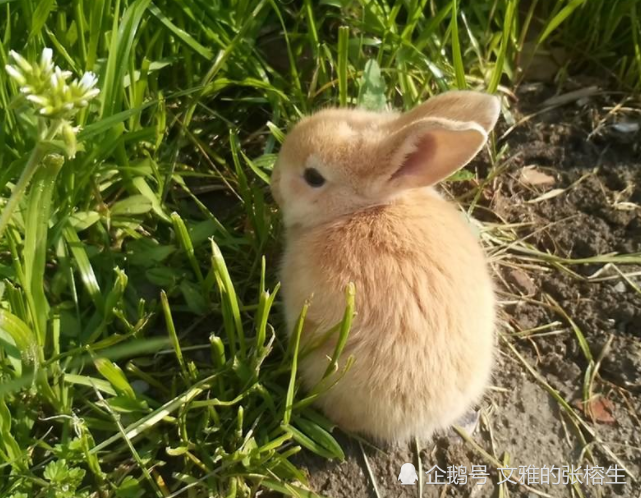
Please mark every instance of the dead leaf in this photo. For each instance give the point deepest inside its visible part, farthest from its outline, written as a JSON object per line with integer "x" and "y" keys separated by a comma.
{"x": 626, "y": 206}
{"x": 598, "y": 409}
{"x": 530, "y": 175}
{"x": 569, "y": 97}
{"x": 522, "y": 281}
{"x": 539, "y": 64}
{"x": 548, "y": 195}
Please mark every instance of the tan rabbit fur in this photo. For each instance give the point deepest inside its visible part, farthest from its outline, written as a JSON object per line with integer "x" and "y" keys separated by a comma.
{"x": 423, "y": 334}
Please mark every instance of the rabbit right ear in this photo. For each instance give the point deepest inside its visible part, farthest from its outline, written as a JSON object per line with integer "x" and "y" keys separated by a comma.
{"x": 429, "y": 150}
{"x": 437, "y": 138}
{"x": 458, "y": 105}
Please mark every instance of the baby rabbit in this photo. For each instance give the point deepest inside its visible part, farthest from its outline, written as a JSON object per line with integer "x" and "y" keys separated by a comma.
{"x": 356, "y": 192}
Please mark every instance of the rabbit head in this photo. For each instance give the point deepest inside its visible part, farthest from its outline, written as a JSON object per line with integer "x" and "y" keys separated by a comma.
{"x": 338, "y": 161}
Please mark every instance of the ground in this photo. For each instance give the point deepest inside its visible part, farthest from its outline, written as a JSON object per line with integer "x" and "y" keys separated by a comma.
{"x": 560, "y": 316}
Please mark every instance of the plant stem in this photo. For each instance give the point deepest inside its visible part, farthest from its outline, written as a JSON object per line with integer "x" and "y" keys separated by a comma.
{"x": 37, "y": 154}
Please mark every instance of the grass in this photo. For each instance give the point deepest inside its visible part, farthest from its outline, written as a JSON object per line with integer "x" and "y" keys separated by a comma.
{"x": 141, "y": 351}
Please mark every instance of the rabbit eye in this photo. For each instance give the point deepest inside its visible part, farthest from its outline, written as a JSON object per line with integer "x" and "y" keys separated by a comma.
{"x": 313, "y": 177}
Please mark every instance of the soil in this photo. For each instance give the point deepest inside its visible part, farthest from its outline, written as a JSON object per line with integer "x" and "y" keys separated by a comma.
{"x": 586, "y": 204}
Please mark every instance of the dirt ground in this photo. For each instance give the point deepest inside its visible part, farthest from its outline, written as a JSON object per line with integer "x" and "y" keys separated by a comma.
{"x": 579, "y": 200}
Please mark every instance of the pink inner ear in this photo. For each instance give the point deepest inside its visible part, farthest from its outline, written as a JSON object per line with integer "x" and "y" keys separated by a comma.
{"x": 415, "y": 162}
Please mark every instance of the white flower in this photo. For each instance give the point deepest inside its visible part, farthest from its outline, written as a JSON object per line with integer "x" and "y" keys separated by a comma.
{"x": 15, "y": 74}
{"x": 21, "y": 61}
{"x": 88, "y": 80}
{"x": 91, "y": 94}
{"x": 37, "y": 99}
{"x": 46, "y": 60}
{"x": 45, "y": 86}
{"x": 59, "y": 78}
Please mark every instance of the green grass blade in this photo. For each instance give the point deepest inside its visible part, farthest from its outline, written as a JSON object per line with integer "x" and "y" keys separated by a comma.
{"x": 308, "y": 442}
{"x": 234, "y": 325}
{"x": 116, "y": 377}
{"x": 636, "y": 42}
{"x": 23, "y": 337}
{"x": 457, "y": 57}
{"x": 343, "y": 40}
{"x": 40, "y": 16}
{"x": 346, "y": 325}
{"x": 149, "y": 421}
{"x": 558, "y": 19}
{"x": 109, "y": 122}
{"x": 173, "y": 336}
{"x": 12, "y": 452}
{"x": 133, "y": 205}
{"x": 39, "y": 209}
{"x": 497, "y": 73}
{"x": 289, "y": 489}
{"x": 294, "y": 346}
{"x": 320, "y": 436}
{"x": 156, "y": 204}
{"x": 83, "y": 380}
{"x": 87, "y": 274}
{"x": 182, "y": 234}
{"x": 181, "y": 34}
{"x": 121, "y": 47}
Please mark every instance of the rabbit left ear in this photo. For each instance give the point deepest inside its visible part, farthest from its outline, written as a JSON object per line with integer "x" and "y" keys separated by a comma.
{"x": 429, "y": 150}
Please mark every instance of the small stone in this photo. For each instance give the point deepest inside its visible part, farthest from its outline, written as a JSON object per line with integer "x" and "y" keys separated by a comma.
{"x": 521, "y": 281}
{"x": 530, "y": 175}
{"x": 626, "y": 127}
{"x": 620, "y": 287}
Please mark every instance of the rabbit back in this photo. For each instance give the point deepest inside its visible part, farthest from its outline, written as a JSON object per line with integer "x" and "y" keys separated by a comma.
{"x": 423, "y": 333}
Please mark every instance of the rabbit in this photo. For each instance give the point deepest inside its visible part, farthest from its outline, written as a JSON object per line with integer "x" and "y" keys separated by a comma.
{"x": 356, "y": 191}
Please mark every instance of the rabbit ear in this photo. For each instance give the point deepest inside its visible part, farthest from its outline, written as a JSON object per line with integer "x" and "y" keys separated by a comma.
{"x": 459, "y": 105}
{"x": 429, "y": 150}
